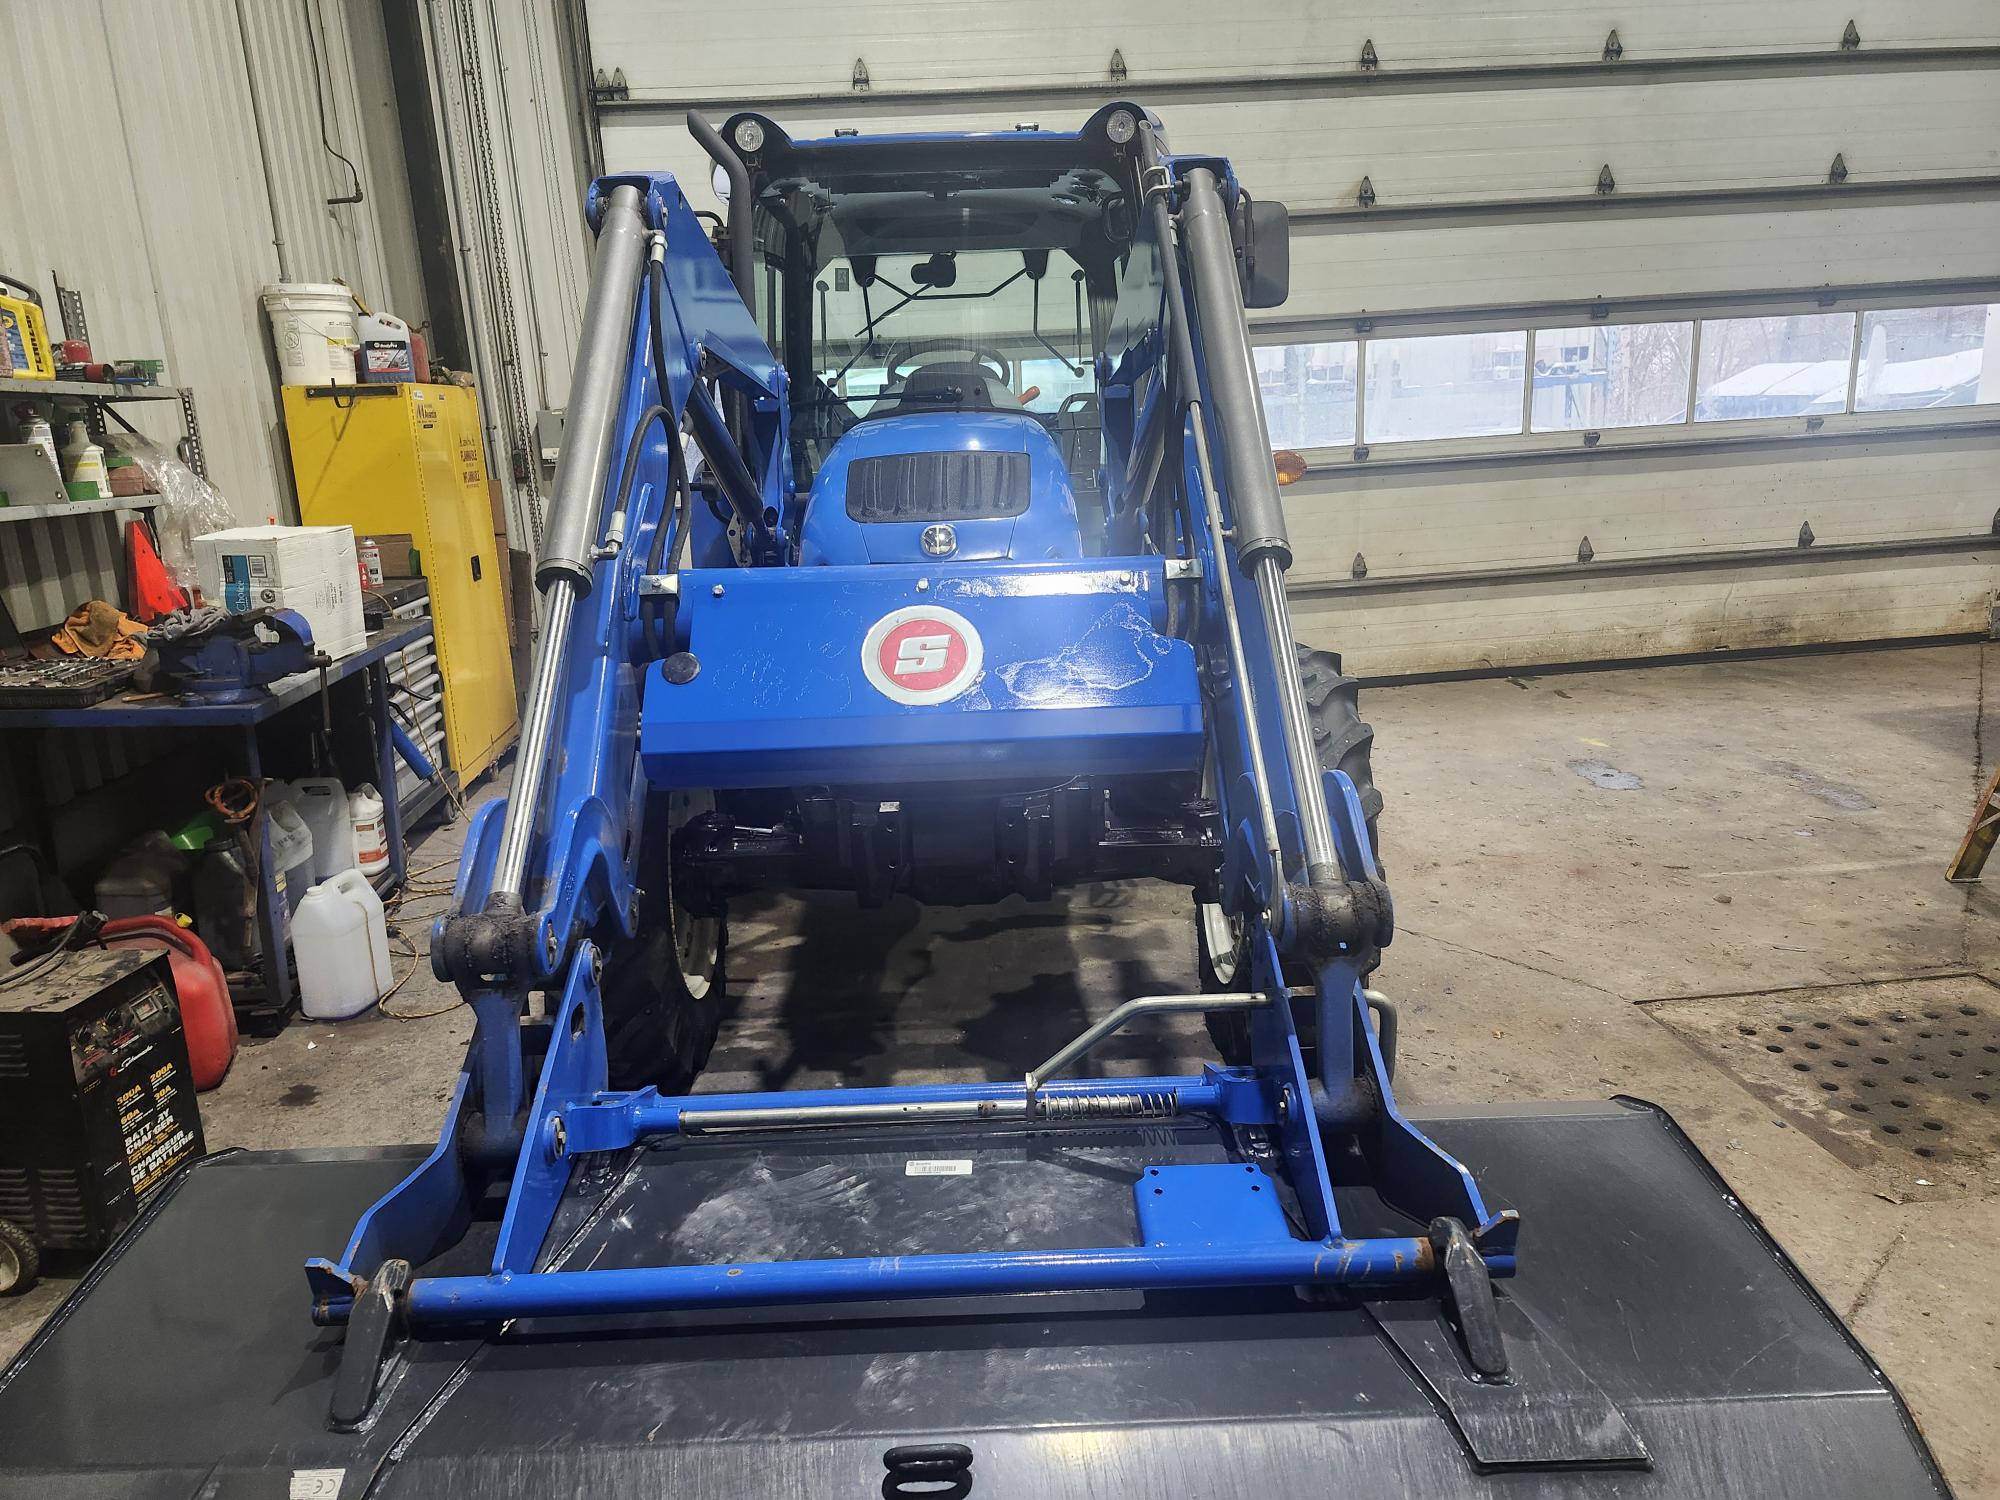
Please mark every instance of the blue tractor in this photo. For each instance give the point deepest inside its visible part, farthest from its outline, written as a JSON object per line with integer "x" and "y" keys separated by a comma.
{"x": 917, "y": 532}
{"x": 930, "y": 545}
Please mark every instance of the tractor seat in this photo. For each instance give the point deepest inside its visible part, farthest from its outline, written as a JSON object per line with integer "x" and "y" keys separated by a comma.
{"x": 948, "y": 385}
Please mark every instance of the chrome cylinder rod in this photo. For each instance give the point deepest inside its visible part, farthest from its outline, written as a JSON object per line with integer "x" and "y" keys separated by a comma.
{"x": 1315, "y": 828}
{"x": 603, "y": 357}
{"x": 1239, "y": 665}
{"x": 537, "y": 733}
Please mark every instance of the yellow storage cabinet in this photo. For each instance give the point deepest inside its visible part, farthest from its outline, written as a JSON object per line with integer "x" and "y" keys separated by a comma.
{"x": 390, "y": 459}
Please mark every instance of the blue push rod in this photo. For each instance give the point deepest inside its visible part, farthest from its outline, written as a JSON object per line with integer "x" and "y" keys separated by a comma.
{"x": 479, "y": 1299}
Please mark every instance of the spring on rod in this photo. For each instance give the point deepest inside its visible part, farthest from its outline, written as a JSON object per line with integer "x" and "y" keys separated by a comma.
{"x": 1155, "y": 1104}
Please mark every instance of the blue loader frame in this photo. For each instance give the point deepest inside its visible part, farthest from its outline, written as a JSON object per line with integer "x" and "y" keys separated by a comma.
{"x": 689, "y": 346}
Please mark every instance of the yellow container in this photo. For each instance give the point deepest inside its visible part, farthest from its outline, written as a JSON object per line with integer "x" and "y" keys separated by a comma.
{"x": 24, "y": 341}
{"x": 395, "y": 459}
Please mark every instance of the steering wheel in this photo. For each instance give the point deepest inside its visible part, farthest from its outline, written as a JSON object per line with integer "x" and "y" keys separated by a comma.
{"x": 982, "y": 354}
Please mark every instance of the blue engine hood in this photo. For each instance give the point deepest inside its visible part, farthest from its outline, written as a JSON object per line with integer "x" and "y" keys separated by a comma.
{"x": 1045, "y": 528}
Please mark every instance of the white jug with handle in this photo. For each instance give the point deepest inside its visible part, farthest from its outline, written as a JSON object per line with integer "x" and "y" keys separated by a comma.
{"x": 340, "y": 940}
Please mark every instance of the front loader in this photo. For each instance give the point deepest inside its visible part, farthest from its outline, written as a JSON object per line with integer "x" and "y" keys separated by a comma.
{"x": 917, "y": 533}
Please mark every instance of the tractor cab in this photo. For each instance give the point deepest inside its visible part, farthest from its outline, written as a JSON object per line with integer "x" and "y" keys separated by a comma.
{"x": 940, "y": 313}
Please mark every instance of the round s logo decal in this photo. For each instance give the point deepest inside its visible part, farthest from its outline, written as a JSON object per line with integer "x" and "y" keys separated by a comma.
{"x": 922, "y": 654}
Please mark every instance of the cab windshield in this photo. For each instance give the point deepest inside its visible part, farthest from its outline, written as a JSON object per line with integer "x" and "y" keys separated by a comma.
{"x": 887, "y": 294}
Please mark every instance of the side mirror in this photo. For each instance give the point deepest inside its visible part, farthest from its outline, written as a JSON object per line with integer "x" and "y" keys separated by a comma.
{"x": 1264, "y": 251}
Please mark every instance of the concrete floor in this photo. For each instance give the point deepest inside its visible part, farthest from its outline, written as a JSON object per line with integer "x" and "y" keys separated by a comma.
{"x": 1578, "y": 860}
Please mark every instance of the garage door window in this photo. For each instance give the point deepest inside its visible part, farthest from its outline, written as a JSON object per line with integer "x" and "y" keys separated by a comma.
{"x": 1308, "y": 393}
{"x": 1773, "y": 367}
{"x": 1455, "y": 385}
{"x": 1920, "y": 357}
{"x": 1615, "y": 375}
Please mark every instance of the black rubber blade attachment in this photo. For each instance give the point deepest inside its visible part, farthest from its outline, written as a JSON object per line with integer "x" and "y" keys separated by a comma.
{"x": 1471, "y": 1289}
{"x": 374, "y": 1331}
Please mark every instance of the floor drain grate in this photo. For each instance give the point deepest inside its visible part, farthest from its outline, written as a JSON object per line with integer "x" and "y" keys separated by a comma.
{"x": 1904, "y": 1073}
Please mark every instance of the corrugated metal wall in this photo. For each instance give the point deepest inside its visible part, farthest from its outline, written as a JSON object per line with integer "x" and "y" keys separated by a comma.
{"x": 509, "y": 123}
{"x": 153, "y": 201}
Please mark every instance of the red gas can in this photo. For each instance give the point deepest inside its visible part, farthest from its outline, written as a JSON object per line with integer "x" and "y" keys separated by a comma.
{"x": 206, "y": 1014}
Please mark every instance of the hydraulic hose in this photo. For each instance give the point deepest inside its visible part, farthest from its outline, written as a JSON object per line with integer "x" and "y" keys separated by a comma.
{"x": 717, "y": 443}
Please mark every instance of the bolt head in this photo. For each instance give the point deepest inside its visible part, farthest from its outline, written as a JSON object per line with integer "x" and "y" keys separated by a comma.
{"x": 558, "y": 1138}
{"x": 1125, "y": 579}
{"x": 717, "y": 591}
{"x": 551, "y": 949}
{"x": 923, "y": 585}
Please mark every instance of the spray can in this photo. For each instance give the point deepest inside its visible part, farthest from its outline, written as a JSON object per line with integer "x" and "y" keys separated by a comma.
{"x": 37, "y": 434}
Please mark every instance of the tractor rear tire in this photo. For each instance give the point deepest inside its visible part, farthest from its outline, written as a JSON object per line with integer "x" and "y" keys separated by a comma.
{"x": 1345, "y": 743}
{"x": 1343, "y": 740}
{"x": 20, "y": 1259}
{"x": 662, "y": 989}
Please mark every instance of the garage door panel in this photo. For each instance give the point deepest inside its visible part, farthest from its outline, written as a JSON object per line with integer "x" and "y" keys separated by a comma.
{"x": 1348, "y": 269}
{"x": 682, "y": 52}
{"x": 1476, "y": 519}
{"x": 1513, "y": 143}
{"x": 1484, "y": 146}
{"x": 1630, "y": 618}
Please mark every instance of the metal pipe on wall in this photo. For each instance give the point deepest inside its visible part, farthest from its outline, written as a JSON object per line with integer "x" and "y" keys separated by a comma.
{"x": 263, "y": 144}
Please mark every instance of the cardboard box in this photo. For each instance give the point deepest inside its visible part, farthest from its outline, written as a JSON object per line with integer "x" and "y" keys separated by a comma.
{"x": 311, "y": 570}
{"x": 398, "y": 551}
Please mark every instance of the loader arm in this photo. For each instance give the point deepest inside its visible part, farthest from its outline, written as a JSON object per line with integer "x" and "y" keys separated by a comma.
{"x": 549, "y": 876}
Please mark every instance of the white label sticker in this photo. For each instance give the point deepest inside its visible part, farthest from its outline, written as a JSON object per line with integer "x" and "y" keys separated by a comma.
{"x": 960, "y": 1168}
{"x": 316, "y": 1484}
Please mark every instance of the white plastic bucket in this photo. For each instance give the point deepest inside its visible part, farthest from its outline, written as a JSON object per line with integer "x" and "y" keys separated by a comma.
{"x": 312, "y": 327}
{"x": 341, "y": 944}
{"x": 323, "y": 802}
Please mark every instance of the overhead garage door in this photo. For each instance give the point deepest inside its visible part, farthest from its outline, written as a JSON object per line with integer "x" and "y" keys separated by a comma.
{"x": 1609, "y": 336}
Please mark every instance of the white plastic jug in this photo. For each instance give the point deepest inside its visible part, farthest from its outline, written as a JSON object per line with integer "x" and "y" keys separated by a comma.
{"x": 340, "y": 943}
{"x": 371, "y": 834}
{"x": 355, "y": 887}
{"x": 322, "y": 800}
{"x": 385, "y": 349}
{"x": 291, "y": 844}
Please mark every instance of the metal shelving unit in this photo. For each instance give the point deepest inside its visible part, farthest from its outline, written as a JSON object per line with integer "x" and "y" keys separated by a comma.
{"x": 76, "y": 508}
{"x": 101, "y": 395}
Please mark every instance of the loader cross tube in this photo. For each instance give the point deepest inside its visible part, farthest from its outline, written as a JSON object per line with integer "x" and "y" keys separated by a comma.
{"x": 443, "y": 1301}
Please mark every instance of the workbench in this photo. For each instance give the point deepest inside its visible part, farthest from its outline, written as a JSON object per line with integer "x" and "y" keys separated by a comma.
{"x": 171, "y": 715}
